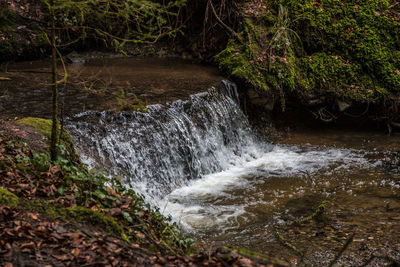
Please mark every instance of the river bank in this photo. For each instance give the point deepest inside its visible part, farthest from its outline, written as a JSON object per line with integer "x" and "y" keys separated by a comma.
{"x": 46, "y": 216}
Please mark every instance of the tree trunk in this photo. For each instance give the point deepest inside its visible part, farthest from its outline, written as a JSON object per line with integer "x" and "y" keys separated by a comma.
{"x": 54, "y": 129}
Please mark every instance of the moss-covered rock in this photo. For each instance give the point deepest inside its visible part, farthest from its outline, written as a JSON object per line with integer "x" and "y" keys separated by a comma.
{"x": 82, "y": 214}
{"x": 7, "y": 198}
{"x": 44, "y": 126}
{"x": 342, "y": 49}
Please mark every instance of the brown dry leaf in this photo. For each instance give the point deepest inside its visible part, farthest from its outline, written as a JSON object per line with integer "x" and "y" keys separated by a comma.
{"x": 125, "y": 206}
{"x": 8, "y": 264}
{"x": 111, "y": 191}
{"x": 29, "y": 244}
{"x": 76, "y": 252}
{"x": 9, "y": 232}
{"x": 62, "y": 257}
{"x": 32, "y": 216}
{"x": 115, "y": 211}
{"x": 140, "y": 235}
{"x": 111, "y": 247}
{"x": 23, "y": 186}
{"x": 94, "y": 208}
{"x": 245, "y": 262}
{"x": 34, "y": 190}
{"x": 55, "y": 170}
{"x": 57, "y": 236}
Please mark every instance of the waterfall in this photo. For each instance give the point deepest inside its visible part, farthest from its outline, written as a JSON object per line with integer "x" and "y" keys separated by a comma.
{"x": 185, "y": 155}
{"x": 170, "y": 145}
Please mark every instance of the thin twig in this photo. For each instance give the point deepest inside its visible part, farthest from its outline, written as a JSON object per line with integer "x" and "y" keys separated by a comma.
{"x": 343, "y": 249}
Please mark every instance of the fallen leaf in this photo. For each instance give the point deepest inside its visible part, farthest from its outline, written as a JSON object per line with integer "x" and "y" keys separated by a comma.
{"x": 63, "y": 257}
{"x": 115, "y": 211}
{"x": 32, "y": 216}
{"x": 75, "y": 252}
{"x": 30, "y": 245}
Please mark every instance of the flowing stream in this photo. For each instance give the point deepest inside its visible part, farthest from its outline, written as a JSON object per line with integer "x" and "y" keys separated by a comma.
{"x": 199, "y": 161}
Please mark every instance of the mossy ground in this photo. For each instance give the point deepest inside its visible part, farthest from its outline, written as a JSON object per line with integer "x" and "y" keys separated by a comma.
{"x": 43, "y": 126}
{"x": 7, "y": 198}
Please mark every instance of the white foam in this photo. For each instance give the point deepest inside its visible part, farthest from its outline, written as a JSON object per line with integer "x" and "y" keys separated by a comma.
{"x": 188, "y": 206}
{"x": 189, "y": 157}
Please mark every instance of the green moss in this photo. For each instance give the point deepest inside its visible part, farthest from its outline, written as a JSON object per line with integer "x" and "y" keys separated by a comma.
{"x": 44, "y": 126}
{"x": 7, "y": 198}
{"x": 317, "y": 214}
{"x": 347, "y": 49}
{"x": 82, "y": 214}
{"x": 77, "y": 214}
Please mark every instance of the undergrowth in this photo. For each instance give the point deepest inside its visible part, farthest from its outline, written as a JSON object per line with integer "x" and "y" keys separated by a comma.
{"x": 348, "y": 50}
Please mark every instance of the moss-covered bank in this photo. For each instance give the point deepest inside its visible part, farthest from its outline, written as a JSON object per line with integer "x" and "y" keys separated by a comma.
{"x": 43, "y": 126}
{"x": 345, "y": 50}
{"x": 66, "y": 190}
{"x": 7, "y": 198}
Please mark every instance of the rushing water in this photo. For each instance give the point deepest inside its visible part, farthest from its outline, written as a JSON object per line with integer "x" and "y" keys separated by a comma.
{"x": 200, "y": 162}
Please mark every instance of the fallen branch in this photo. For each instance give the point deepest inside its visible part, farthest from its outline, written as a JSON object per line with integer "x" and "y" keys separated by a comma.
{"x": 316, "y": 214}
{"x": 343, "y": 249}
{"x": 286, "y": 243}
{"x": 222, "y": 23}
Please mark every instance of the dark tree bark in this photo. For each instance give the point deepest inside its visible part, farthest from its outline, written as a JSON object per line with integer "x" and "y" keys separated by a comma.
{"x": 54, "y": 129}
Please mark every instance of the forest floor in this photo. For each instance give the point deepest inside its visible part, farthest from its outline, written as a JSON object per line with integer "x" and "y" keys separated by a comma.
{"x": 44, "y": 221}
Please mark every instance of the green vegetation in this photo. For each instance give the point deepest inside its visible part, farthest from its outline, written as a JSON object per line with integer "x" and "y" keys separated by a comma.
{"x": 128, "y": 101}
{"x": 82, "y": 214}
{"x": 344, "y": 49}
{"x": 7, "y": 198}
{"x": 317, "y": 214}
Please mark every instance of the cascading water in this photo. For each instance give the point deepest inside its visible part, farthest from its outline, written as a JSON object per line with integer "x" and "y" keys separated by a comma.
{"x": 189, "y": 157}
{"x": 167, "y": 147}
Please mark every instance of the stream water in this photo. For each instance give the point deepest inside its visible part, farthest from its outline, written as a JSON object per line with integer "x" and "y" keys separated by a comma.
{"x": 200, "y": 162}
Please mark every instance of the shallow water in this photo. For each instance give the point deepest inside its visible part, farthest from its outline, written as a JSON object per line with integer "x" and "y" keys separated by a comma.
{"x": 95, "y": 84}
